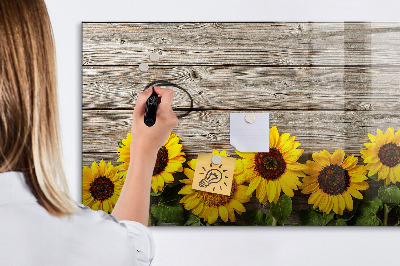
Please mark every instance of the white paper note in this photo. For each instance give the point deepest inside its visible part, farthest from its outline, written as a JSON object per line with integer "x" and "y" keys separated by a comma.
{"x": 249, "y": 137}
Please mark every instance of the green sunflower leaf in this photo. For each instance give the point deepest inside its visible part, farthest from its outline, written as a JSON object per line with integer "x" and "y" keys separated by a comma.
{"x": 177, "y": 177}
{"x": 193, "y": 220}
{"x": 367, "y": 212}
{"x": 152, "y": 193}
{"x": 367, "y": 221}
{"x": 168, "y": 213}
{"x": 170, "y": 195}
{"x": 255, "y": 217}
{"x": 313, "y": 218}
{"x": 389, "y": 195}
{"x": 282, "y": 209}
{"x": 374, "y": 177}
{"x": 368, "y": 208}
{"x": 338, "y": 222}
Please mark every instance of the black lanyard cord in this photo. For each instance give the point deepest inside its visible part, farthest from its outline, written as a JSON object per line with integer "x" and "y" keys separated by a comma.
{"x": 170, "y": 84}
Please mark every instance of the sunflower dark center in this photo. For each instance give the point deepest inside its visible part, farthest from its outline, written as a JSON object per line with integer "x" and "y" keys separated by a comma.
{"x": 389, "y": 154}
{"x": 333, "y": 179}
{"x": 162, "y": 160}
{"x": 101, "y": 188}
{"x": 270, "y": 165}
{"x": 216, "y": 200}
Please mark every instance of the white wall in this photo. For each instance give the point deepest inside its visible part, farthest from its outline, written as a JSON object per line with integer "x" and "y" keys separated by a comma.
{"x": 220, "y": 246}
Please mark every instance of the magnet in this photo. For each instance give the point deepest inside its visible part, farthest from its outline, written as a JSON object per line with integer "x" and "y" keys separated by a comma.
{"x": 216, "y": 159}
{"x": 250, "y": 118}
{"x": 143, "y": 67}
{"x": 153, "y": 57}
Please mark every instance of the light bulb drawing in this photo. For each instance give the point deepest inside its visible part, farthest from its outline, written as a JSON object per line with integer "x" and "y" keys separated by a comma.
{"x": 213, "y": 176}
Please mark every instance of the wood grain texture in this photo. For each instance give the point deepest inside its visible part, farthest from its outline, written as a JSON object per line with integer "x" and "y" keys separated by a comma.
{"x": 244, "y": 87}
{"x": 202, "y": 131}
{"x": 241, "y": 43}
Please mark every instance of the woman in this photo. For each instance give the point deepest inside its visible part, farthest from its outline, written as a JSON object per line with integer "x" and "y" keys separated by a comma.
{"x": 39, "y": 222}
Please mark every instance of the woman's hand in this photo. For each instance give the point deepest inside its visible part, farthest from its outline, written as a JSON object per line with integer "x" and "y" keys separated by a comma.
{"x": 148, "y": 140}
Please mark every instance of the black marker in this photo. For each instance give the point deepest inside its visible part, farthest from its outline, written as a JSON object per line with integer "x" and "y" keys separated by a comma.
{"x": 151, "y": 109}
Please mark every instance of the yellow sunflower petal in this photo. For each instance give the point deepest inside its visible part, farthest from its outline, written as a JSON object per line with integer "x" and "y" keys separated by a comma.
{"x": 253, "y": 185}
{"x": 357, "y": 178}
{"x": 392, "y": 175}
{"x": 159, "y": 180}
{"x": 272, "y": 191}
{"x": 286, "y": 188}
{"x": 240, "y": 194}
{"x": 335, "y": 204}
{"x": 223, "y": 212}
{"x": 350, "y": 162}
{"x": 198, "y": 209}
{"x": 273, "y": 137}
{"x": 348, "y": 200}
{"x": 323, "y": 202}
{"x": 213, "y": 216}
{"x": 262, "y": 190}
{"x": 192, "y": 203}
{"x": 168, "y": 177}
{"x": 293, "y": 155}
{"x": 342, "y": 203}
{"x": 296, "y": 166}
{"x": 189, "y": 173}
{"x": 321, "y": 158}
{"x": 396, "y": 170}
{"x": 371, "y": 137}
{"x": 360, "y": 186}
{"x": 192, "y": 163}
{"x": 354, "y": 192}
{"x": 172, "y": 166}
{"x": 237, "y": 205}
{"x": 337, "y": 157}
{"x": 310, "y": 188}
{"x": 282, "y": 140}
{"x": 374, "y": 168}
{"x": 186, "y": 190}
{"x": 329, "y": 205}
{"x": 231, "y": 214}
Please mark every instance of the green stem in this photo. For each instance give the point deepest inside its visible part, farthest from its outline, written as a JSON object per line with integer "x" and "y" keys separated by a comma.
{"x": 385, "y": 210}
{"x": 385, "y": 214}
{"x": 274, "y": 221}
{"x": 151, "y": 221}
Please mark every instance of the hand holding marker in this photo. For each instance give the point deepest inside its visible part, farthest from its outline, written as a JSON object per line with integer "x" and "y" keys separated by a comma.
{"x": 152, "y": 102}
{"x": 151, "y": 109}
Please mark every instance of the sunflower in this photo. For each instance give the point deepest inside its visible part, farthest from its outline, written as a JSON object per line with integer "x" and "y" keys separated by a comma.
{"x": 270, "y": 172}
{"x": 383, "y": 155}
{"x": 332, "y": 181}
{"x": 169, "y": 160}
{"x": 210, "y": 206}
{"x": 101, "y": 186}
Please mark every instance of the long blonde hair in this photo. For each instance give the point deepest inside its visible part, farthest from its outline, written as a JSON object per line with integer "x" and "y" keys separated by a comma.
{"x": 29, "y": 123}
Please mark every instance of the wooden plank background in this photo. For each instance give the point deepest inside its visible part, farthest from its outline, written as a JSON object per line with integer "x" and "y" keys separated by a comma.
{"x": 329, "y": 84}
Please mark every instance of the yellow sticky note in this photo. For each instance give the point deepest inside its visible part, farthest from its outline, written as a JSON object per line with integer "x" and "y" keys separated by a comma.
{"x": 211, "y": 177}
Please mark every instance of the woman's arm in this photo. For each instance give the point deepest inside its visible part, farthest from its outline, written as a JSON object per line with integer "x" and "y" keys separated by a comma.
{"x": 134, "y": 202}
